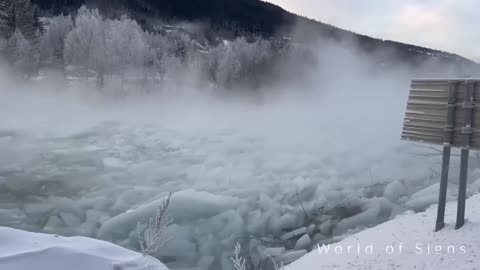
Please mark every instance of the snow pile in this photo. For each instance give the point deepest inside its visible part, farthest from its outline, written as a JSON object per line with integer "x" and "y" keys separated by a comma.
{"x": 25, "y": 250}
{"x": 407, "y": 242}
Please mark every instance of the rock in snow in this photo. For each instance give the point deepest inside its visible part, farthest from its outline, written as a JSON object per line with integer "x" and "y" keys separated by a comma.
{"x": 407, "y": 242}
{"x": 25, "y": 250}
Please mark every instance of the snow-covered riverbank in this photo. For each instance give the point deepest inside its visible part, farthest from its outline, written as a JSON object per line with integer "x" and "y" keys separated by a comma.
{"x": 406, "y": 242}
{"x": 21, "y": 250}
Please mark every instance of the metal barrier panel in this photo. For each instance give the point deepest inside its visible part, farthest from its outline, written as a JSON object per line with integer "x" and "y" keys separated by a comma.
{"x": 427, "y": 107}
{"x": 445, "y": 112}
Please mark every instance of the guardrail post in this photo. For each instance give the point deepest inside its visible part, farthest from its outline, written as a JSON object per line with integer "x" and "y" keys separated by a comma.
{"x": 467, "y": 132}
{"x": 448, "y": 139}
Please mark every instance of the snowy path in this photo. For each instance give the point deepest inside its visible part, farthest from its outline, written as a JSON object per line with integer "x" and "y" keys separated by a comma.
{"x": 407, "y": 242}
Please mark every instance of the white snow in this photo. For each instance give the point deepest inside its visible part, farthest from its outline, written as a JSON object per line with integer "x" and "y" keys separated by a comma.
{"x": 21, "y": 250}
{"x": 406, "y": 242}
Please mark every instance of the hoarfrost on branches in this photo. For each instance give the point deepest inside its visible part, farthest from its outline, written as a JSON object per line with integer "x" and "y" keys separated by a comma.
{"x": 153, "y": 238}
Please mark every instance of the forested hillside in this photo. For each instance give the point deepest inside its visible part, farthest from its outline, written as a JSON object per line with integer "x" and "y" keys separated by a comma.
{"x": 248, "y": 16}
{"x": 229, "y": 44}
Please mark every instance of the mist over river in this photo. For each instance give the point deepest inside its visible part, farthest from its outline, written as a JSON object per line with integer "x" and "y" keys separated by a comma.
{"x": 238, "y": 172}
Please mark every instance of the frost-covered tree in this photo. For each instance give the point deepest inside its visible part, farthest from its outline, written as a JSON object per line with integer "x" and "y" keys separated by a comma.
{"x": 125, "y": 46}
{"x": 169, "y": 55}
{"x": 91, "y": 46}
{"x": 228, "y": 61}
{"x": 153, "y": 238}
{"x": 240, "y": 61}
{"x": 228, "y": 64}
{"x": 156, "y": 53}
{"x": 257, "y": 60}
{"x": 179, "y": 45}
{"x": 85, "y": 45}
{"x": 53, "y": 41}
{"x": 23, "y": 54}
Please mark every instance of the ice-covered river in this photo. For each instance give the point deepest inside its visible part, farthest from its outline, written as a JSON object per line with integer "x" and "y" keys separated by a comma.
{"x": 237, "y": 173}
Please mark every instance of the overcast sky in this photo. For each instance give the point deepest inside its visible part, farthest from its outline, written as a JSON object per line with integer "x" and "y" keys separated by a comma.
{"x": 450, "y": 25}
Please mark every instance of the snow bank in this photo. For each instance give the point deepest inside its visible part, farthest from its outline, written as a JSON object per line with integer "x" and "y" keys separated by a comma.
{"x": 407, "y": 242}
{"x": 25, "y": 250}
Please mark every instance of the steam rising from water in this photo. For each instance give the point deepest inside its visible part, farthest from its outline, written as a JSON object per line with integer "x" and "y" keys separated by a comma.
{"x": 74, "y": 161}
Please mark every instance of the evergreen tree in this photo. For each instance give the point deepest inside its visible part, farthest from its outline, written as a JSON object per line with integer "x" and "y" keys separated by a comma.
{"x": 26, "y": 19}
{"x": 19, "y": 15}
{"x": 20, "y": 27}
{"x": 7, "y": 19}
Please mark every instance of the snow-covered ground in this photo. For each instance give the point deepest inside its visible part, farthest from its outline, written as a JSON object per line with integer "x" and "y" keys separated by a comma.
{"x": 21, "y": 250}
{"x": 406, "y": 242}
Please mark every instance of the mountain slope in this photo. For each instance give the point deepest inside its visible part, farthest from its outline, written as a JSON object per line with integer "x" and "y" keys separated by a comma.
{"x": 252, "y": 16}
